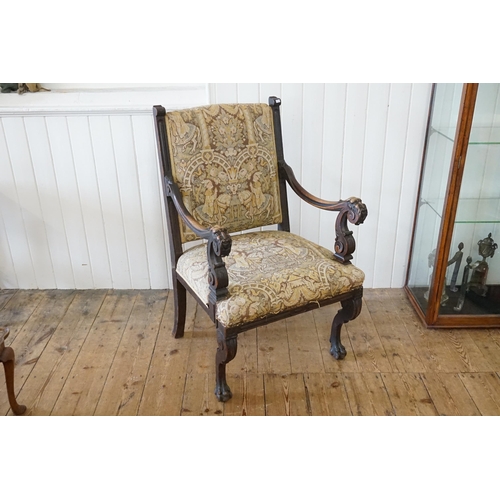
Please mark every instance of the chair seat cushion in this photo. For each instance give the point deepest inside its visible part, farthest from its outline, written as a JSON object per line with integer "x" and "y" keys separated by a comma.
{"x": 270, "y": 272}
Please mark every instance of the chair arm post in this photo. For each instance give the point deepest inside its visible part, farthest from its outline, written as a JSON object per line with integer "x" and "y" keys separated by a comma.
{"x": 354, "y": 211}
{"x": 219, "y": 245}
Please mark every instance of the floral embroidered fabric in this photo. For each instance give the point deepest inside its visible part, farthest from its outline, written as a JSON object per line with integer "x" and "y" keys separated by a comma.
{"x": 223, "y": 159}
{"x": 270, "y": 272}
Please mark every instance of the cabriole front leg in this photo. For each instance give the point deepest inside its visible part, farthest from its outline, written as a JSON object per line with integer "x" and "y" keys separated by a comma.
{"x": 7, "y": 358}
{"x": 351, "y": 309}
{"x": 226, "y": 352}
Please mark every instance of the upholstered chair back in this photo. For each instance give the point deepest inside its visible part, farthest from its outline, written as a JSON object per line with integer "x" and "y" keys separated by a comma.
{"x": 223, "y": 159}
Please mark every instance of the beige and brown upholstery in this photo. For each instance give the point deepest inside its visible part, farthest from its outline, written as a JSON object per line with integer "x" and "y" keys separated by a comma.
{"x": 270, "y": 272}
{"x": 224, "y": 161}
{"x": 223, "y": 174}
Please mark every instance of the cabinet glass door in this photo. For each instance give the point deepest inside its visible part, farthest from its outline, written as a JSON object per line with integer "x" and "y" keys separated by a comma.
{"x": 476, "y": 231}
{"x": 441, "y": 134}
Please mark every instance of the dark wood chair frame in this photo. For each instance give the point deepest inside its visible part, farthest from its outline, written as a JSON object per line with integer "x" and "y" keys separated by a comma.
{"x": 7, "y": 358}
{"x": 219, "y": 246}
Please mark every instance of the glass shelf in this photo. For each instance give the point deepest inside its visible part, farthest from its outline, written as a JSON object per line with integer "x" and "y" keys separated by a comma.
{"x": 469, "y": 211}
{"x": 478, "y": 136}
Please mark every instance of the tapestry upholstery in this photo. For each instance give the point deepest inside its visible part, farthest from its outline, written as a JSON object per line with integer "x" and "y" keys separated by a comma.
{"x": 270, "y": 272}
{"x": 224, "y": 161}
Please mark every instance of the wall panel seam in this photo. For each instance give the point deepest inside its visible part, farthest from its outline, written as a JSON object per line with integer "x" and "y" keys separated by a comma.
{"x": 375, "y": 244}
{"x": 78, "y": 187}
{"x": 59, "y": 198}
{"x": 402, "y": 176}
{"x": 28, "y": 142}
{"x": 120, "y": 201}
{"x": 138, "y": 179}
{"x": 1, "y": 215}
{"x": 322, "y": 166}
{"x": 344, "y": 138}
{"x": 21, "y": 211}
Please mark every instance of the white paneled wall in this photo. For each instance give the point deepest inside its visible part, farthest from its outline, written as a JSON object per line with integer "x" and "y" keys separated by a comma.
{"x": 80, "y": 202}
{"x": 77, "y": 204}
{"x": 80, "y": 199}
{"x": 345, "y": 140}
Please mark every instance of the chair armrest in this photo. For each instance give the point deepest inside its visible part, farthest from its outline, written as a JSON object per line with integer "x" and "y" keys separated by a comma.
{"x": 218, "y": 244}
{"x": 172, "y": 190}
{"x": 352, "y": 210}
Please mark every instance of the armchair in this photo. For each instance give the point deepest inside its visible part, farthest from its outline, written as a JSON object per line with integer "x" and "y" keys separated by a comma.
{"x": 223, "y": 172}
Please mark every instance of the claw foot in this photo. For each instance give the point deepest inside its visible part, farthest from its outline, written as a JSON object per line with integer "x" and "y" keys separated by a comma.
{"x": 338, "y": 353}
{"x": 223, "y": 393}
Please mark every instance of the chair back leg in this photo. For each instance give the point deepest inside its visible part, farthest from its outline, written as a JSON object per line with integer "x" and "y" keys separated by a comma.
{"x": 180, "y": 310}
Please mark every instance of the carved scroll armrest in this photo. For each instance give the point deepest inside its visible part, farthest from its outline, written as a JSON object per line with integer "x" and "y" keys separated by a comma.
{"x": 218, "y": 245}
{"x": 352, "y": 210}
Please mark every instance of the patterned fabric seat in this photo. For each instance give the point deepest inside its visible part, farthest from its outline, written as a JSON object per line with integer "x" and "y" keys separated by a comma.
{"x": 270, "y": 272}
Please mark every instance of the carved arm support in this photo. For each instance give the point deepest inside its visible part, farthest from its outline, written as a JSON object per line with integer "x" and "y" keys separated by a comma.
{"x": 352, "y": 210}
{"x": 218, "y": 244}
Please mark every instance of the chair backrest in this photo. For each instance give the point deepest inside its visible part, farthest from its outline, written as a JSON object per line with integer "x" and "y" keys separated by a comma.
{"x": 223, "y": 159}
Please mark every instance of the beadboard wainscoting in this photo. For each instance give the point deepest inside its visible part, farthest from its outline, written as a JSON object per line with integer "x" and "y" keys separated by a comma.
{"x": 343, "y": 140}
{"x": 80, "y": 196}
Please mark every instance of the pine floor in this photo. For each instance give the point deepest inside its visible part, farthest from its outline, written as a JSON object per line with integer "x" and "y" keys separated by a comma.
{"x": 111, "y": 353}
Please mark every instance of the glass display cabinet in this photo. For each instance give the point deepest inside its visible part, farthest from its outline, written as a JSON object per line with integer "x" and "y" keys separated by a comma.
{"x": 453, "y": 275}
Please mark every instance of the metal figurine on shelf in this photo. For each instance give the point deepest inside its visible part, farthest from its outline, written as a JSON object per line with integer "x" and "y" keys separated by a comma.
{"x": 464, "y": 288}
{"x": 480, "y": 268}
{"x": 457, "y": 260}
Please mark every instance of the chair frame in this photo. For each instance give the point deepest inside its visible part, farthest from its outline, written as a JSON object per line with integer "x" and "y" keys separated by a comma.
{"x": 219, "y": 246}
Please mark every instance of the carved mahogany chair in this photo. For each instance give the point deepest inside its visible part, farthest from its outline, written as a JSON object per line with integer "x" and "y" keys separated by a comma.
{"x": 7, "y": 358}
{"x": 224, "y": 172}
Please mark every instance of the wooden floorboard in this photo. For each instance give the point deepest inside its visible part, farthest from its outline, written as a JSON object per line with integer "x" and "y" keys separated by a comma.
{"x": 52, "y": 369}
{"x": 111, "y": 353}
{"x": 83, "y": 388}
{"x": 122, "y": 392}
